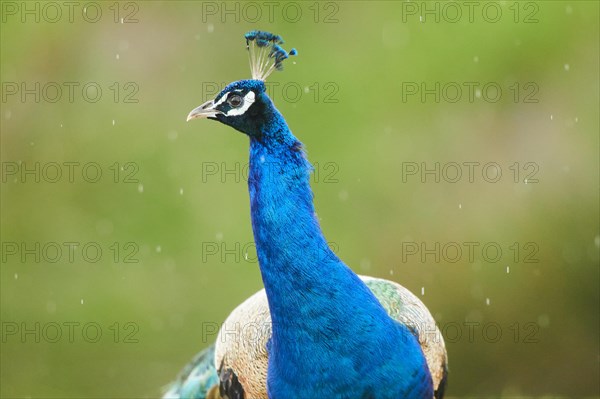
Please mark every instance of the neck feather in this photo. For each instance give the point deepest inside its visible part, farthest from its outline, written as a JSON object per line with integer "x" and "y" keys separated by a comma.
{"x": 309, "y": 289}
{"x": 324, "y": 317}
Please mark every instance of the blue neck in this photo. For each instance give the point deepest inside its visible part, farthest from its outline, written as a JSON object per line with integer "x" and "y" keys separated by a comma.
{"x": 296, "y": 262}
{"x": 320, "y": 309}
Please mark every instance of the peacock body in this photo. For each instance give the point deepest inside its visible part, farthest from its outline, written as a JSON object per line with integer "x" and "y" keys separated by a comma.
{"x": 320, "y": 330}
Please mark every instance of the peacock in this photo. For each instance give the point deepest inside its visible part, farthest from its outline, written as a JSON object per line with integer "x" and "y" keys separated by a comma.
{"x": 317, "y": 329}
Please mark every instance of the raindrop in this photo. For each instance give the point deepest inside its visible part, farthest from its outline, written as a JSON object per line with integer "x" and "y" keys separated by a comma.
{"x": 219, "y": 236}
{"x": 576, "y": 119}
{"x": 172, "y": 135}
{"x": 423, "y": 291}
{"x": 597, "y": 241}
{"x": 117, "y": 56}
{"x": 181, "y": 191}
{"x": 391, "y": 272}
{"x": 210, "y": 28}
{"x": 113, "y": 122}
{"x": 50, "y": 307}
{"x": 32, "y": 144}
{"x": 474, "y": 316}
{"x": 477, "y": 292}
{"x": 122, "y": 20}
{"x": 459, "y": 206}
{"x": 158, "y": 249}
{"x": 420, "y": 18}
{"x": 487, "y": 301}
{"x": 82, "y": 301}
{"x": 365, "y": 264}
{"x": 16, "y": 276}
{"x": 478, "y": 93}
{"x": 476, "y": 59}
{"x": 140, "y": 188}
{"x": 551, "y": 117}
{"x": 245, "y": 255}
{"x": 567, "y": 67}
{"x": 507, "y": 269}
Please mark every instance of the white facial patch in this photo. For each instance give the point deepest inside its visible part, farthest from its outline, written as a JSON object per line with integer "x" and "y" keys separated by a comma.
{"x": 248, "y": 101}
{"x": 221, "y": 100}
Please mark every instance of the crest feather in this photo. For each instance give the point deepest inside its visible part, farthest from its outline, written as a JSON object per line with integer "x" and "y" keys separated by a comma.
{"x": 265, "y": 53}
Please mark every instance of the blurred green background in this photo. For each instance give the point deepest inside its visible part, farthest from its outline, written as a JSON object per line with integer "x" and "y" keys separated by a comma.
{"x": 180, "y": 205}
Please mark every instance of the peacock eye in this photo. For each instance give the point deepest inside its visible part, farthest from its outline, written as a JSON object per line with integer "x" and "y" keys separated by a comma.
{"x": 235, "y": 101}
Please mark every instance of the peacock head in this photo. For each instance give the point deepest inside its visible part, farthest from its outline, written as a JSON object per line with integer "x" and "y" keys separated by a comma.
{"x": 244, "y": 104}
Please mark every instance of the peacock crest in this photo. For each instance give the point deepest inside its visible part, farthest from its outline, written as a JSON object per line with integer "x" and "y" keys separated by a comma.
{"x": 265, "y": 53}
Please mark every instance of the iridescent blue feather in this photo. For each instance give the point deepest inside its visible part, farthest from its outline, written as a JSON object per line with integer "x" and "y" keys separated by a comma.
{"x": 197, "y": 379}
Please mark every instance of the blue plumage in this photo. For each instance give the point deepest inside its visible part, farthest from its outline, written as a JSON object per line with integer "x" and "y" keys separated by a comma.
{"x": 331, "y": 337}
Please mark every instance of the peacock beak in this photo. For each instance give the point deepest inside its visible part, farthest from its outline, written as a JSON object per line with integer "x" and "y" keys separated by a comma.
{"x": 206, "y": 110}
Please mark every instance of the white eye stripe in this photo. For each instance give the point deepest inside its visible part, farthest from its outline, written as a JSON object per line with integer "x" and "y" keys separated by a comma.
{"x": 221, "y": 100}
{"x": 248, "y": 101}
